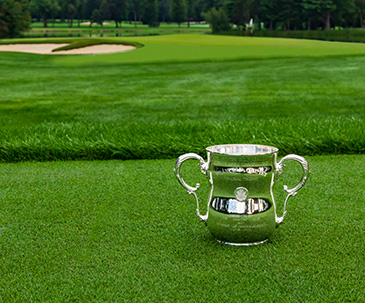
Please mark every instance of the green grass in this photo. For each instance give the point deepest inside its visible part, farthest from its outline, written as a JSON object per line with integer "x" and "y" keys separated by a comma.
{"x": 307, "y": 105}
{"x": 198, "y": 48}
{"x": 126, "y": 231}
{"x": 103, "y": 141}
{"x": 203, "y": 48}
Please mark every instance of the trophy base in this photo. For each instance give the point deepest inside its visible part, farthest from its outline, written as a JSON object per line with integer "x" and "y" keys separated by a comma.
{"x": 242, "y": 244}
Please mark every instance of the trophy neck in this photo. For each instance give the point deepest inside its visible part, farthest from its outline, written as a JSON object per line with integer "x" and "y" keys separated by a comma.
{"x": 242, "y": 149}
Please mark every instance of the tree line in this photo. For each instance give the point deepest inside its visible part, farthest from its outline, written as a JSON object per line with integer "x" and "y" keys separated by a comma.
{"x": 287, "y": 14}
{"x": 15, "y": 15}
{"x": 150, "y": 12}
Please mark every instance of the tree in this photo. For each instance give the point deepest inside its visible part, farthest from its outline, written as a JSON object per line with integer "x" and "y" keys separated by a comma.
{"x": 345, "y": 13}
{"x": 202, "y": 6}
{"x": 311, "y": 14}
{"x": 71, "y": 12}
{"x": 269, "y": 12}
{"x": 178, "y": 11}
{"x": 14, "y": 18}
{"x": 199, "y": 9}
{"x": 323, "y": 9}
{"x": 91, "y": 5}
{"x": 239, "y": 11}
{"x": 208, "y": 4}
{"x": 360, "y": 11}
{"x": 164, "y": 7}
{"x": 104, "y": 10}
{"x": 190, "y": 10}
{"x": 96, "y": 17}
{"x": 81, "y": 10}
{"x": 118, "y": 11}
{"x": 72, "y": 9}
{"x": 291, "y": 14}
{"x": 218, "y": 20}
{"x": 137, "y": 7}
{"x": 44, "y": 8}
{"x": 151, "y": 13}
{"x": 63, "y": 4}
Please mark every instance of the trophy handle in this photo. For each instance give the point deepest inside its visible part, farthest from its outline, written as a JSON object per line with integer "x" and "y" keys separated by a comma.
{"x": 190, "y": 189}
{"x": 294, "y": 190}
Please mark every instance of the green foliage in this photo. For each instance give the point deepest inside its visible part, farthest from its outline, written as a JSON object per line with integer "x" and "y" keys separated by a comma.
{"x": 239, "y": 11}
{"x": 338, "y": 35}
{"x": 90, "y": 6}
{"x": 269, "y": 12}
{"x": 323, "y": 8}
{"x": 96, "y": 17}
{"x": 71, "y": 12}
{"x": 164, "y": 10}
{"x": 218, "y": 20}
{"x": 14, "y": 18}
{"x": 150, "y": 16}
{"x": 178, "y": 11}
{"x": 191, "y": 6}
{"x": 104, "y": 10}
{"x": 360, "y": 11}
{"x": 304, "y": 14}
{"x": 137, "y": 8}
{"x": 275, "y": 14}
{"x": 118, "y": 11}
{"x": 126, "y": 231}
{"x": 44, "y": 8}
{"x": 320, "y": 6}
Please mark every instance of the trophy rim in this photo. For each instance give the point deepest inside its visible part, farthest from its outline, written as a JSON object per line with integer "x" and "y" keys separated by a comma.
{"x": 242, "y": 149}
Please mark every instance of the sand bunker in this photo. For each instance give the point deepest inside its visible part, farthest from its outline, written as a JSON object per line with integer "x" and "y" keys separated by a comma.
{"x": 46, "y": 49}
{"x": 88, "y": 23}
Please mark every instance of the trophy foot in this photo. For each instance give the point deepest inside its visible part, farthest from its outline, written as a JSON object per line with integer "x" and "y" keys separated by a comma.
{"x": 242, "y": 244}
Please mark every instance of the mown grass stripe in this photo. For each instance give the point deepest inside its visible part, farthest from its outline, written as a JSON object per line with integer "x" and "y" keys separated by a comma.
{"x": 132, "y": 111}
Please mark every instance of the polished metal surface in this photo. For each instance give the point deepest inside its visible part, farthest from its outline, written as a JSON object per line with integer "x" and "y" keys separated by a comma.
{"x": 233, "y": 206}
{"x": 241, "y": 193}
{"x": 241, "y": 209}
{"x": 190, "y": 189}
{"x": 292, "y": 192}
{"x": 242, "y": 149}
{"x": 242, "y": 244}
{"x": 244, "y": 170}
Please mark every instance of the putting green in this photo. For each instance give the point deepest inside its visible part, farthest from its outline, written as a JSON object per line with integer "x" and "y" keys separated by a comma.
{"x": 191, "y": 47}
{"x": 196, "y": 47}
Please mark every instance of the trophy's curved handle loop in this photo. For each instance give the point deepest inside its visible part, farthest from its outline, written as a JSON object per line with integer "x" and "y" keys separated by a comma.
{"x": 293, "y": 191}
{"x": 191, "y": 189}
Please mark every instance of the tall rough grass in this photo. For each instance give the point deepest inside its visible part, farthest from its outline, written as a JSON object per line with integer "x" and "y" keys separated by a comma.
{"x": 91, "y": 141}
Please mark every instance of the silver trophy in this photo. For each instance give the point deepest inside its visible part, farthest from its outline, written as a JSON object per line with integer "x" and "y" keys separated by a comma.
{"x": 241, "y": 209}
